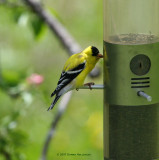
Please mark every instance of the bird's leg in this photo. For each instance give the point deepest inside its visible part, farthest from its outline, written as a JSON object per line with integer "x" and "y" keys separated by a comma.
{"x": 89, "y": 85}
{"x": 77, "y": 89}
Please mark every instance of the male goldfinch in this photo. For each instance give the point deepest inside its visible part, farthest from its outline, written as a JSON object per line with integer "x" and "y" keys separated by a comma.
{"x": 75, "y": 71}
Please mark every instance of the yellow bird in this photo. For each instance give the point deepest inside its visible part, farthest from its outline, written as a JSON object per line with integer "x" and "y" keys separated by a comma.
{"x": 75, "y": 70}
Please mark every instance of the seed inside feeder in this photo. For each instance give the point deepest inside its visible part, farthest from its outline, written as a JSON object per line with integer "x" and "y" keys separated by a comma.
{"x": 133, "y": 39}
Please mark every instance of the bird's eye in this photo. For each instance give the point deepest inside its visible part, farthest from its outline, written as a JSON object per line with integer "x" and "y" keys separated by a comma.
{"x": 95, "y": 51}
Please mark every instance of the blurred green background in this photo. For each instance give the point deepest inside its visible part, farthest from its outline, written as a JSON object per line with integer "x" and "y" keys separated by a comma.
{"x": 27, "y": 46}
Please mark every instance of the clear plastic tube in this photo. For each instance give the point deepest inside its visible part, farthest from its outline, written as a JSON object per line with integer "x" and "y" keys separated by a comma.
{"x": 131, "y": 21}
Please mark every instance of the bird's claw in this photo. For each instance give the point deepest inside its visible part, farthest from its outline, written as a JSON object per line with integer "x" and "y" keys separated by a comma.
{"x": 89, "y": 85}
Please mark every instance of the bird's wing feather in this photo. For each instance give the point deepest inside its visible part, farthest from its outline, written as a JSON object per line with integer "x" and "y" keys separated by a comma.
{"x": 67, "y": 76}
{"x": 54, "y": 102}
{"x": 74, "y": 61}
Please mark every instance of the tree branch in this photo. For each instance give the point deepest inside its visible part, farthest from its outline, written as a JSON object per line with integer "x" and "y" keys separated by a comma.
{"x": 61, "y": 109}
{"x": 56, "y": 27}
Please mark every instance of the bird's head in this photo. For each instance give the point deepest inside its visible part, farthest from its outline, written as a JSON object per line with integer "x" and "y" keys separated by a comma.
{"x": 93, "y": 53}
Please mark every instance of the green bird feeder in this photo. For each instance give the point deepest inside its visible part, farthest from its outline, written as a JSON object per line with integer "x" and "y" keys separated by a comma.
{"x": 131, "y": 79}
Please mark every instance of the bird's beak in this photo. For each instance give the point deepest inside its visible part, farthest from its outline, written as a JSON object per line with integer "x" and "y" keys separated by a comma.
{"x": 100, "y": 55}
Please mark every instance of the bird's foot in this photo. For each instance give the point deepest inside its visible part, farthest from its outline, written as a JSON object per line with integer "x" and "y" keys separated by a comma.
{"x": 77, "y": 89}
{"x": 89, "y": 85}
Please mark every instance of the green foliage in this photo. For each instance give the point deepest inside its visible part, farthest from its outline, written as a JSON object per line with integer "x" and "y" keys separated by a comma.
{"x": 11, "y": 78}
{"x": 22, "y": 15}
{"x": 11, "y": 138}
{"x": 17, "y": 13}
{"x": 37, "y": 25}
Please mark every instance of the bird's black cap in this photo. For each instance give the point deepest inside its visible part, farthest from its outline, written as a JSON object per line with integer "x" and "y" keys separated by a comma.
{"x": 95, "y": 51}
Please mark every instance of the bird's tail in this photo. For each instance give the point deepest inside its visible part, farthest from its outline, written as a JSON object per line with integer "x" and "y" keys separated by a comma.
{"x": 53, "y": 93}
{"x": 54, "y": 102}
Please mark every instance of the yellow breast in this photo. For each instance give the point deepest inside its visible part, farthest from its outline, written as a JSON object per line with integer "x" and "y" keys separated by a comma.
{"x": 81, "y": 77}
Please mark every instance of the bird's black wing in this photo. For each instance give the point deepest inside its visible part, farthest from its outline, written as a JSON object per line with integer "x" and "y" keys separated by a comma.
{"x": 67, "y": 77}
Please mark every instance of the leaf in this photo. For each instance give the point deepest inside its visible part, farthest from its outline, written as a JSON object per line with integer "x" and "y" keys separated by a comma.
{"x": 23, "y": 19}
{"x": 37, "y": 26}
{"x": 11, "y": 78}
{"x": 18, "y": 138}
{"x": 17, "y": 13}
